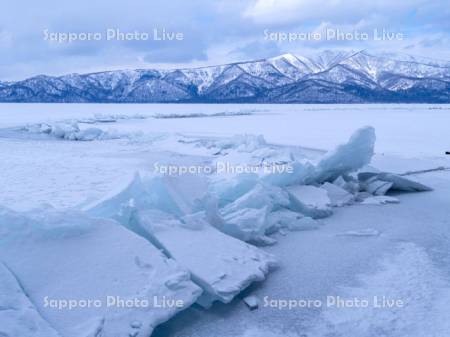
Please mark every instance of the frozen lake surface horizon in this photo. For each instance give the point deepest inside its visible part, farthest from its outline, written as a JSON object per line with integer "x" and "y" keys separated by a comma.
{"x": 403, "y": 129}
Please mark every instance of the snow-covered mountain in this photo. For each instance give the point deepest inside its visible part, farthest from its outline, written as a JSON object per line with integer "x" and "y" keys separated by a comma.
{"x": 328, "y": 77}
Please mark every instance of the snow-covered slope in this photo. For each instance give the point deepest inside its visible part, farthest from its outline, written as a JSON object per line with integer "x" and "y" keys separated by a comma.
{"x": 354, "y": 76}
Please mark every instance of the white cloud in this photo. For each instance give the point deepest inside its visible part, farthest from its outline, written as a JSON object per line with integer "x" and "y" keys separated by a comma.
{"x": 215, "y": 32}
{"x": 288, "y": 11}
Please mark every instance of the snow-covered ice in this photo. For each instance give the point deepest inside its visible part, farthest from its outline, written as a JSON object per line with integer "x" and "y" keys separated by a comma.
{"x": 361, "y": 233}
{"x": 82, "y": 201}
{"x": 311, "y": 196}
{"x": 18, "y": 316}
{"x": 338, "y": 196}
{"x": 395, "y": 182}
{"x": 252, "y": 302}
{"x": 223, "y": 266}
{"x": 70, "y": 131}
{"x": 414, "y": 288}
{"x": 347, "y": 158}
{"x": 59, "y": 257}
{"x": 169, "y": 214}
{"x": 380, "y": 200}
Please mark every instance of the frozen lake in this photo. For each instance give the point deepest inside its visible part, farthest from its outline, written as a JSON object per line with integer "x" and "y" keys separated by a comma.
{"x": 408, "y": 130}
{"x": 399, "y": 250}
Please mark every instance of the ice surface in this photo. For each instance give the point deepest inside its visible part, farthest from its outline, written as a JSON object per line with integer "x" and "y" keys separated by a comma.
{"x": 252, "y": 302}
{"x": 66, "y": 256}
{"x": 200, "y": 210}
{"x": 287, "y": 219}
{"x": 361, "y": 232}
{"x": 338, "y": 196}
{"x": 347, "y": 158}
{"x": 247, "y": 224}
{"x": 377, "y": 187}
{"x": 204, "y": 115}
{"x": 111, "y": 118}
{"x": 380, "y": 200}
{"x": 260, "y": 196}
{"x": 350, "y": 184}
{"x": 249, "y": 217}
{"x": 221, "y": 265}
{"x": 381, "y": 182}
{"x": 239, "y": 142}
{"x": 18, "y": 316}
{"x": 177, "y": 195}
{"x": 311, "y": 196}
{"x": 266, "y": 209}
{"x": 70, "y": 131}
{"x": 163, "y": 209}
{"x": 302, "y": 173}
{"x": 297, "y": 205}
{"x": 400, "y": 183}
{"x": 229, "y": 189}
{"x": 408, "y": 275}
{"x": 246, "y": 217}
{"x": 303, "y": 125}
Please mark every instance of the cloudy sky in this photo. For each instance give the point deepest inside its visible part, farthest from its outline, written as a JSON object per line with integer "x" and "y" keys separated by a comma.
{"x": 213, "y": 32}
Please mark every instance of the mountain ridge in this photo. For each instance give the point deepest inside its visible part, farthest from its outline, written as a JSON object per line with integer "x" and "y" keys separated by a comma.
{"x": 328, "y": 77}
